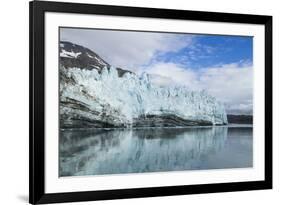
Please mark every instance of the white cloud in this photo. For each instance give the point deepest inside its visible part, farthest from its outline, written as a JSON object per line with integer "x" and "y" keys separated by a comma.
{"x": 126, "y": 49}
{"x": 230, "y": 83}
{"x": 176, "y": 73}
{"x": 161, "y": 80}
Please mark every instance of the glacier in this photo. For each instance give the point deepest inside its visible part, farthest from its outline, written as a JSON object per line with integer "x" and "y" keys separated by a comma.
{"x": 92, "y": 98}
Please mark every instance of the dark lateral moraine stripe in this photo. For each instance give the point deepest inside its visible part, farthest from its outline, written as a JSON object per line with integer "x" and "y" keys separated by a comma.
{"x": 147, "y": 121}
{"x": 166, "y": 121}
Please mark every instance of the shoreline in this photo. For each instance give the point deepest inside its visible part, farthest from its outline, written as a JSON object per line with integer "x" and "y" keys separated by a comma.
{"x": 176, "y": 127}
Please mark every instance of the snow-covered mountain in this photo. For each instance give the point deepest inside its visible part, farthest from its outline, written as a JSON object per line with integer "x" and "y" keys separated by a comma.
{"x": 95, "y": 94}
{"x": 76, "y": 56}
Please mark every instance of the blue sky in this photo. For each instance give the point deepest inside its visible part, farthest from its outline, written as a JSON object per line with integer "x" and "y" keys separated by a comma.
{"x": 210, "y": 50}
{"x": 221, "y": 65}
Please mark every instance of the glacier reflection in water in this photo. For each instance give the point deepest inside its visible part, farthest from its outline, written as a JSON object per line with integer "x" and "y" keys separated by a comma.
{"x": 95, "y": 152}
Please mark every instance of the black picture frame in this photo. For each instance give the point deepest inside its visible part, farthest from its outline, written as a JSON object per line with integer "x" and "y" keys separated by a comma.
{"x": 37, "y": 9}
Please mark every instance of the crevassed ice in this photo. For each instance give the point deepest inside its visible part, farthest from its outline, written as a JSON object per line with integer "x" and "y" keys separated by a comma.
{"x": 134, "y": 95}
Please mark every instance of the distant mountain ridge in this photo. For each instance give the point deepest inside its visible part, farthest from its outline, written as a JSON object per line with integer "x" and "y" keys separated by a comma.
{"x": 240, "y": 119}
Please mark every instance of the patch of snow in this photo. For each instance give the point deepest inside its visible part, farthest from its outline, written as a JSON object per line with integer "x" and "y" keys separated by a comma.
{"x": 97, "y": 67}
{"x": 68, "y": 54}
{"x": 89, "y": 55}
{"x": 100, "y": 61}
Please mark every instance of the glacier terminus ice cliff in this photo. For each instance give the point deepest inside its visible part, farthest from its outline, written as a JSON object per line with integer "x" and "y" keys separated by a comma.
{"x": 95, "y": 94}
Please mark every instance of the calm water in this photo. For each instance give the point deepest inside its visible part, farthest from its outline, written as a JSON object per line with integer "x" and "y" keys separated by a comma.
{"x": 92, "y": 152}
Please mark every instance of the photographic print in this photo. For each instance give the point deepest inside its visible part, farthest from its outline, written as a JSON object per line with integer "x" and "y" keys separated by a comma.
{"x": 139, "y": 101}
{"x": 129, "y": 102}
